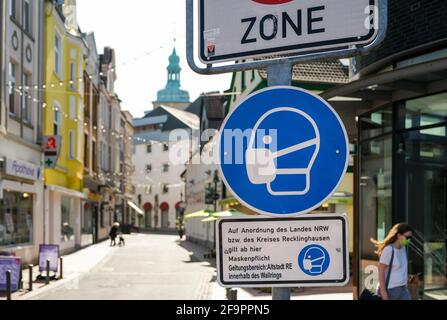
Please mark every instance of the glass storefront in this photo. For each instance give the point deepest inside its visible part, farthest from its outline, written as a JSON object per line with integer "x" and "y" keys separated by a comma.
{"x": 68, "y": 219}
{"x": 403, "y": 178}
{"x": 87, "y": 227}
{"x": 16, "y": 219}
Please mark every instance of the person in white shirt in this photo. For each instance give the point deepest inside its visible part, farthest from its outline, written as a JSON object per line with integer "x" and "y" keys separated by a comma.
{"x": 394, "y": 285}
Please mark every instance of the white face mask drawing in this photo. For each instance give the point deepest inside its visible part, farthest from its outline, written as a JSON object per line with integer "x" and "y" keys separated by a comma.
{"x": 314, "y": 259}
{"x": 260, "y": 162}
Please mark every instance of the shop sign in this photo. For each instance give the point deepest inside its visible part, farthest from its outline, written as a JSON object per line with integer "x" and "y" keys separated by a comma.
{"x": 12, "y": 264}
{"x": 48, "y": 252}
{"x": 22, "y": 169}
{"x": 51, "y": 149}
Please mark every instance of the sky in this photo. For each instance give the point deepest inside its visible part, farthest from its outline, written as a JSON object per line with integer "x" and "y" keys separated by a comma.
{"x": 134, "y": 28}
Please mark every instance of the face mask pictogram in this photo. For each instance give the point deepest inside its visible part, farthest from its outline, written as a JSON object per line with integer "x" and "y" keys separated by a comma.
{"x": 314, "y": 259}
{"x": 261, "y": 163}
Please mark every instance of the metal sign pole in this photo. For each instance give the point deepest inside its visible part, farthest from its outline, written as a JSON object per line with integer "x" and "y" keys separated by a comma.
{"x": 280, "y": 74}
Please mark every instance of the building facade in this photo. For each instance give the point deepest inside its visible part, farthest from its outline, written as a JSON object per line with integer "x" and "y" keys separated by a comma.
{"x": 90, "y": 206}
{"x": 158, "y": 169}
{"x": 21, "y": 174}
{"x": 401, "y": 176}
{"x": 64, "y": 117}
{"x": 127, "y": 169}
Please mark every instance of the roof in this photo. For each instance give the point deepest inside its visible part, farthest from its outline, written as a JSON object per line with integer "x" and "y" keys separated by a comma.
{"x": 330, "y": 71}
{"x": 188, "y": 118}
{"x": 170, "y": 118}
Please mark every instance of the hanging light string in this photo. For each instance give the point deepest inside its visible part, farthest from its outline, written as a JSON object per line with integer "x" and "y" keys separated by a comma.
{"x": 73, "y": 81}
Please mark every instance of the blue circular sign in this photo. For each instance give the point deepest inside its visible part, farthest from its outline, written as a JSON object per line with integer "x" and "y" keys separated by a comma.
{"x": 283, "y": 151}
{"x": 314, "y": 260}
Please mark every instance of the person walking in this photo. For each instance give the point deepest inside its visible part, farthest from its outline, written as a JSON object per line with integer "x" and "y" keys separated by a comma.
{"x": 393, "y": 264}
{"x": 114, "y": 233}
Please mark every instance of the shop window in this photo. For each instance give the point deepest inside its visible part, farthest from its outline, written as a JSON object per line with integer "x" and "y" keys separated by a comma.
{"x": 16, "y": 219}
{"x": 422, "y": 112}
{"x": 375, "y": 205}
{"x": 376, "y": 123}
{"x": 68, "y": 216}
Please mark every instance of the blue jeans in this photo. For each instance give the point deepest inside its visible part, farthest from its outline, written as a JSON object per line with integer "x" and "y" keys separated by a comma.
{"x": 399, "y": 293}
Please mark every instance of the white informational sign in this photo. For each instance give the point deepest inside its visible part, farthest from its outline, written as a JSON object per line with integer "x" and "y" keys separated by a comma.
{"x": 22, "y": 169}
{"x": 241, "y": 29}
{"x": 308, "y": 251}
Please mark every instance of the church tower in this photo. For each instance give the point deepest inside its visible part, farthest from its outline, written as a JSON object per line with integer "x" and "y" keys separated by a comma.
{"x": 172, "y": 95}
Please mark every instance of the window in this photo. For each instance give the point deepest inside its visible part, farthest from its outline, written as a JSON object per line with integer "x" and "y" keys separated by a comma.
{"x": 110, "y": 159}
{"x": 58, "y": 55}
{"x": 148, "y": 168}
{"x": 109, "y": 124}
{"x": 72, "y": 107}
{"x": 72, "y": 76}
{"x": 26, "y": 99}
{"x": 149, "y": 148}
{"x": 16, "y": 219}
{"x": 148, "y": 189}
{"x": 12, "y": 8}
{"x": 67, "y": 219}
{"x": 165, "y": 188}
{"x": 72, "y": 145}
{"x": 12, "y": 84}
{"x": 57, "y": 121}
{"x": 165, "y": 147}
{"x": 166, "y": 167}
{"x": 27, "y": 16}
{"x": 80, "y": 129}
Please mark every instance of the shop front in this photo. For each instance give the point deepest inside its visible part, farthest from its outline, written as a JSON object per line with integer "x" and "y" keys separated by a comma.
{"x": 64, "y": 218}
{"x": 403, "y": 178}
{"x": 20, "y": 208}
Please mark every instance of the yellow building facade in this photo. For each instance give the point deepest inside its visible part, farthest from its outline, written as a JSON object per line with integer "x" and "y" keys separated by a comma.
{"x": 63, "y": 116}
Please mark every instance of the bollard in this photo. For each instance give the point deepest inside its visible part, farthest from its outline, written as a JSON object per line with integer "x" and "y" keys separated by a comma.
{"x": 30, "y": 274}
{"x": 47, "y": 278}
{"x": 231, "y": 294}
{"x": 8, "y": 285}
{"x": 61, "y": 262}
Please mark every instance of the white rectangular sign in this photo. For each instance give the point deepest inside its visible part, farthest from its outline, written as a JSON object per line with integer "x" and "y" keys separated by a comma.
{"x": 242, "y": 29}
{"x": 308, "y": 251}
{"x": 22, "y": 169}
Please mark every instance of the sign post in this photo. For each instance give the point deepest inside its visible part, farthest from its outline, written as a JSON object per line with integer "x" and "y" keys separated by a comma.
{"x": 277, "y": 75}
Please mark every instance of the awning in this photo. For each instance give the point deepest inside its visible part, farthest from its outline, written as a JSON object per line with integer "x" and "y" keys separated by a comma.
{"x": 135, "y": 207}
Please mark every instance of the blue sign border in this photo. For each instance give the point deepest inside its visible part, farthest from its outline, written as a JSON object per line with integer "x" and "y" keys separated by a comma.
{"x": 279, "y": 214}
